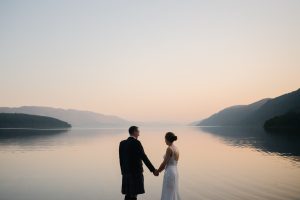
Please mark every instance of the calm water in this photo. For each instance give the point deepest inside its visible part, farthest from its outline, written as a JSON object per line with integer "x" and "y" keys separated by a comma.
{"x": 215, "y": 163}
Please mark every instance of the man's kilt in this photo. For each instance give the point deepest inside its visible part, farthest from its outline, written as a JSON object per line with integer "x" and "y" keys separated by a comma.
{"x": 133, "y": 184}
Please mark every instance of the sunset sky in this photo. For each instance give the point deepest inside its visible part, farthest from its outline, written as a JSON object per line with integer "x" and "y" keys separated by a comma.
{"x": 148, "y": 60}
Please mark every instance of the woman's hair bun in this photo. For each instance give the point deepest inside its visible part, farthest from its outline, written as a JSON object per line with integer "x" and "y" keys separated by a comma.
{"x": 175, "y": 138}
{"x": 171, "y": 137}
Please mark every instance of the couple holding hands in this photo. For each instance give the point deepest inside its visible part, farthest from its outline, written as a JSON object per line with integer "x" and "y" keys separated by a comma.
{"x": 131, "y": 156}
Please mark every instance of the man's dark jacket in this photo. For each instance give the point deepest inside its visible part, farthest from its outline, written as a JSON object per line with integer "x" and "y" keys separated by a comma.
{"x": 131, "y": 155}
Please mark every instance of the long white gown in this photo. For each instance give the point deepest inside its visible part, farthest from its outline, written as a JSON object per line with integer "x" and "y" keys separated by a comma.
{"x": 170, "y": 190}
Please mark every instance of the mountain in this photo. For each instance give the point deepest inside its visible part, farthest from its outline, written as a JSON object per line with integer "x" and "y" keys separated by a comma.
{"x": 283, "y": 104}
{"x": 255, "y": 114}
{"x": 19, "y": 120}
{"x": 195, "y": 123}
{"x": 289, "y": 121}
{"x": 76, "y": 118}
{"x": 233, "y": 115}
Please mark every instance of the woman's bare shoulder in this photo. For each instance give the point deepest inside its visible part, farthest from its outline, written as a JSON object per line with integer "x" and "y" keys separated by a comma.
{"x": 169, "y": 151}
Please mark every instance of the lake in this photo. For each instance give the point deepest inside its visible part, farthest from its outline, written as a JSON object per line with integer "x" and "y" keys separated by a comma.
{"x": 215, "y": 163}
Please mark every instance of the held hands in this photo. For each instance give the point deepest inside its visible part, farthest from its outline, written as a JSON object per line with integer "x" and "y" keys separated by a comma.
{"x": 156, "y": 173}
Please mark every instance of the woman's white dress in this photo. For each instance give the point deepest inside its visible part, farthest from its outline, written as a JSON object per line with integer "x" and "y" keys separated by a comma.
{"x": 170, "y": 190}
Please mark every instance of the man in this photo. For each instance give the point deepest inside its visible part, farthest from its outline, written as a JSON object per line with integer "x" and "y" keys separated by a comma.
{"x": 131, "y": 155}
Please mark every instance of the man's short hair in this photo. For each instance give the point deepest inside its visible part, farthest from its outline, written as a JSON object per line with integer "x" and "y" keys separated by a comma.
{"x": 132, "y": 129}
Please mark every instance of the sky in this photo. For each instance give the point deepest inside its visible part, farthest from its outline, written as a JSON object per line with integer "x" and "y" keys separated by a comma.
{"x": 176, "y": 61}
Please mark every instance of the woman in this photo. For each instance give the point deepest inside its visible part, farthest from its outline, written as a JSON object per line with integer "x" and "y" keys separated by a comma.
{"x": 170, "y": 182}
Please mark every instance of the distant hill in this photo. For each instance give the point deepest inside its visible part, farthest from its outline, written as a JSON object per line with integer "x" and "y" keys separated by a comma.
{"x": 233, "y": 115}
{"x": 195, "y": 123}
{"x": 19, "y": 120}
{"x": 288, "y": 121}
{"x": 76, "y": 118}
{"x": 289, "y": 102}
{"x": 255, "y": 114}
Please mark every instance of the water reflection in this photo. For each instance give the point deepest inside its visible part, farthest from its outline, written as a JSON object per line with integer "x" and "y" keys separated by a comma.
{"x": 27, "y": 136}
{"x": 283, "y": 143}
{"x": 26, "y": 139}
